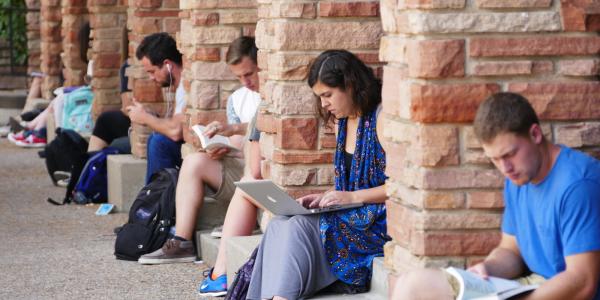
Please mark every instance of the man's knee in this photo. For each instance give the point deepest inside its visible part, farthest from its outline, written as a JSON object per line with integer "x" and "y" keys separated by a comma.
{"x": 423, "y": 284}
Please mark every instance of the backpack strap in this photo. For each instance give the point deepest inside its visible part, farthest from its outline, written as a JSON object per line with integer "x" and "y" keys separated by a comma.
{"x": 167, "y": 208}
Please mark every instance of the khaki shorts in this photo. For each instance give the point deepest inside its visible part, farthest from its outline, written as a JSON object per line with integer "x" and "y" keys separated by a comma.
{"x": 232, "y": 170}
{"x": 525, "y": 280}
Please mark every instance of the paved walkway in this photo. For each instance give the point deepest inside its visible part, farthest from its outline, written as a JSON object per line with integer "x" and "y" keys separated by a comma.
{"x": 66, "y": 252}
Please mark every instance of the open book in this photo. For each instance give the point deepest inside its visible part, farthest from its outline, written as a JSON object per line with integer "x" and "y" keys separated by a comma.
{"x": 217, "y": 141}
{"x": 474, "y": 287}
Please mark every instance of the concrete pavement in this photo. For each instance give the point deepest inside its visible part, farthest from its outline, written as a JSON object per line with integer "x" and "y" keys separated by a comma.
{"x": 66, "y": 252}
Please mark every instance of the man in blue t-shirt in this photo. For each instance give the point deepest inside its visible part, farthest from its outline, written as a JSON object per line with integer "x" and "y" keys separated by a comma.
{"x": 551, "y": 225}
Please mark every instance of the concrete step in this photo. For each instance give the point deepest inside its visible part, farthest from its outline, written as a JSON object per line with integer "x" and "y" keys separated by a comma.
{"x": 125, "y": 179}
{"x": 240, "y": 248}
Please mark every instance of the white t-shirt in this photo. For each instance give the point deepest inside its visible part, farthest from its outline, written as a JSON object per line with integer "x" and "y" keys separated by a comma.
{"x": 242, "y": 105}
{"x": 179, "y": 98}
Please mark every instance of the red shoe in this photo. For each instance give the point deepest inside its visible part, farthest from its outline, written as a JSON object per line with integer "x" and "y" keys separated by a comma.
{"x": 15, "y": 137}
{"x": 32, "y": 141}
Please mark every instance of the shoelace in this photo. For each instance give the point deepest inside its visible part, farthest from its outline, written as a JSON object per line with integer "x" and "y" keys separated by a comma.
{"x": 172, "y": 243}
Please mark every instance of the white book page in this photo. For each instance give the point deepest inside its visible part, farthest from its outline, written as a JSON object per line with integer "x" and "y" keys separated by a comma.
{"x": 473, "y": 286}
{"x": 208, "y": 143}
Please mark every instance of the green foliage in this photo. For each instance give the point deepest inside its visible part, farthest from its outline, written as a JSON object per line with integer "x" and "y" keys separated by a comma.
{"x": 17, "y": 10}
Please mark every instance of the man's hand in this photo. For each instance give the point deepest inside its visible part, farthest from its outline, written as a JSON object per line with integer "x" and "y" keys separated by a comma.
{"x": 136, "y": 112}
{"x": 480, "y": 270}
{"x": 216, "y": 127}
{"x": 217, "y": 153}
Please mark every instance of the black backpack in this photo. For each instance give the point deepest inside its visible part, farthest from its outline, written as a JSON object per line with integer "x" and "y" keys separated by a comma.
{"x": 67, "y": 148}
{"x": 67, "y": 153}
{"x": 150, "y": 217}
{"x": 241, "y": 281}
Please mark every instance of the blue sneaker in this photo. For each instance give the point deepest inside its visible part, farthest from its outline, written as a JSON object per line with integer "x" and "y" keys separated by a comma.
{"x": 215, "y": 288}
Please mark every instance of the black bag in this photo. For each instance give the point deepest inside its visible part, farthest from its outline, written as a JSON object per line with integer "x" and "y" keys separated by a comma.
{"x": 64, "y": 151}
{"x": 241, "y": 282}
{"x": 67, "y": 153}
{"x": 150, "y": 217}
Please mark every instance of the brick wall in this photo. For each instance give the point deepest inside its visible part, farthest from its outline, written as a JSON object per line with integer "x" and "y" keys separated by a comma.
{"x": 107, "y": 19}
{"x": 298, "y": 149}
{"x": 145, "y": 17}
{"x": 207, "y": 28}
{"x": 445, "y": 57}
{"x": 74, "y": 15}
{"x": 50, "y": 45}
{"x": 33, "y": 35}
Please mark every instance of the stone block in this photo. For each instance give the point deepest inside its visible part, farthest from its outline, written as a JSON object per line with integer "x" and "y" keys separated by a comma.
{"x": 460, "y": 22}
{"x": 448, "y": 102}
{"x": 580, "y": 67}
{"x": 349, "y": 9}
{"x": 431, "y": 4}
{"x": 534, "y": 46}
{"x": 126, "y": 176}
{"x": 297, "y": 133}
{"x": 436, "y": 58}
{"x": 316, "y": 36}
{"x": 562, "y": 100}
{"x": 239, "y": 250}
{"x": 207, "y": 247}
{"x": 512, "y": 3}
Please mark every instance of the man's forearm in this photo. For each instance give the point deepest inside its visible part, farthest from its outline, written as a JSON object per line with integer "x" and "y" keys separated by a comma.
{"x": 504, "y": 263}
{"x": 565, "y": 285}
{"x": 170, "y": 127}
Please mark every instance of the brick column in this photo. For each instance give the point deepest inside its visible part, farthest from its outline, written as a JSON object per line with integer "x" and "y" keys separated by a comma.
{"x": 74, "y": 15}
{"x": 444, "y": 58}
{"x": 107, "y": 19}
{"x": 298, "y": 149}
{"x": 50, "y": 45}
{"x": 207, "y": 28}
{"x": 33, "y": 36}
{"x": 145, "y": 17}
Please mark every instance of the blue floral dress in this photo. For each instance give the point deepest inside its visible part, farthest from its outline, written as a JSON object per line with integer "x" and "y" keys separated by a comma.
{"x": 353, "y": 237}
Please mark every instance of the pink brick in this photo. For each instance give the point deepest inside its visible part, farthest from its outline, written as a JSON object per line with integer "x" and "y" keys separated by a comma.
{"x": 512, "y": 3}
{"x": 534, "y": 46}
{"x": 349, "y": 9}
{"x": 583, "y": 67}
{"x": 562, "y": 101}
{"x": 436, "y": 58}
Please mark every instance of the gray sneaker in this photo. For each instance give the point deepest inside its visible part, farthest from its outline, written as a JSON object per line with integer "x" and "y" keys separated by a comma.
{"x": 173, "y": 251}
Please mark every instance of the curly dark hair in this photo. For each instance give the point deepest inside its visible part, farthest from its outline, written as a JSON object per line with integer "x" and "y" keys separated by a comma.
{"x": 157, "y": 47}
{"x": 342, "y": 69}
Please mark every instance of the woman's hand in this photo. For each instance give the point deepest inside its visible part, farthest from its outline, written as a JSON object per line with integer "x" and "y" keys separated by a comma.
{"x": 336, "y": 198}
{"x": 307, "y": 200}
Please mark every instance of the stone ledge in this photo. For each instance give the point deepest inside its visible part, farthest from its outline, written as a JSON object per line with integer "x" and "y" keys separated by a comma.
{"x": 125, "y": 179}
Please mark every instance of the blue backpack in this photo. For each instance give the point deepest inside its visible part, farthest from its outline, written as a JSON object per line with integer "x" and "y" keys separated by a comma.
{"x": 77, "y": 111}
{"x": 92, "y": 186}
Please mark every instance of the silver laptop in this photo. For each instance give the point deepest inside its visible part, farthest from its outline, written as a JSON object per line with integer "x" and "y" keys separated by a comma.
{"x": 279, "y": 202}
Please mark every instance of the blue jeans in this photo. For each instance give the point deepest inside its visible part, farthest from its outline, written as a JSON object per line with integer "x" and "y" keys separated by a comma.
{"x": 162, "y": 153}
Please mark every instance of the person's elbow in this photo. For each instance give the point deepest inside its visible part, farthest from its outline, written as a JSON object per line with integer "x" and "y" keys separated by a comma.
{"x": 588, "y": 290}
{"x": 175, "y": 133}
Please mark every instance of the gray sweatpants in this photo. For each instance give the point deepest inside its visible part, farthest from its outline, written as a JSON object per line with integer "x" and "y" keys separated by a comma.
{"x": 291, "y": 260}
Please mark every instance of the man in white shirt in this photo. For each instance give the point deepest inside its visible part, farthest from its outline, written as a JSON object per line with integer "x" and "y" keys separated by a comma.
{"x": 212, "y": 173}
{"x": 163, "y": 63}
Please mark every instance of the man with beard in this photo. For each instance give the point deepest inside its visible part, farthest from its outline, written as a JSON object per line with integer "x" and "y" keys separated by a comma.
{"x": 162, "y": 61}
